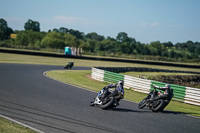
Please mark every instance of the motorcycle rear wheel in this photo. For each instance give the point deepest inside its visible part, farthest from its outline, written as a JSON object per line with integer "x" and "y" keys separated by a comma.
{"x": 158, "y": 105}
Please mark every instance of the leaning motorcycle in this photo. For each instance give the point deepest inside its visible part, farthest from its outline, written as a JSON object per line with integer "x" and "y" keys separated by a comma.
{"x": 68, "y": 66}
{"x": 108, "y": 102}
{"x": 155, "y": 105}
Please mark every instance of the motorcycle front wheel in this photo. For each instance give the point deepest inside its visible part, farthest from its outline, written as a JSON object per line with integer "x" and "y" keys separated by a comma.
{"x": 109, "y": 104}
{"x": 142, "y": 104}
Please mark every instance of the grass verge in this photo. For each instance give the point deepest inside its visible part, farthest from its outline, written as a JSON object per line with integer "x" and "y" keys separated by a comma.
{"x": 7, "y": 126}
{"x": 84, "y": 81}
{"x": 29, "y": 59}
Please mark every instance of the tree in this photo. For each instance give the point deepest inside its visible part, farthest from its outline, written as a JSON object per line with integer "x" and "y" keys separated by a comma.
{"x": 92, "y": 45}
{"x": 70, "y": 40}
{"x": 32, "y": 25}
{"x": 108, "y": 46}
{"x": 53, "y": 40}
{"x": 76, "y": 33}
{"x": 95, "y": 36}
{"x": 55, "y": 30}
{"x": 122, "y": 37}
{"x": 168, "y": 44}
{"x": 63, "y": 30}
{"x": 197, "y": 50}
{"x": 172, "y": 54}
{"x": 158, "y": 46}
{"x": 29, "y": 38}
{"x": 5, "y": 31}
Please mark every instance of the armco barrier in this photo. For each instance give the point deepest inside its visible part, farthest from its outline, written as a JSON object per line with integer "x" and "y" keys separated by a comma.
{"x": 181, "y": 93}
{"x": 192, "y": 96}
{"x": 97, "y": 74}
{"x": 137, "y": 84}
{"x": 112, "y": 77}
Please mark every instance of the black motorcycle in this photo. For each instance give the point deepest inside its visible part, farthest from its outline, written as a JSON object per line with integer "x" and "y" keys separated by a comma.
{"x": 108, "y": 102}
{"x": 154, "y": 105}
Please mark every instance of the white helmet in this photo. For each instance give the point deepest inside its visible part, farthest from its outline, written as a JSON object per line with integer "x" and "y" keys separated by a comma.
{"x": 121, "y": 82}
{"x": 168, "y": 86}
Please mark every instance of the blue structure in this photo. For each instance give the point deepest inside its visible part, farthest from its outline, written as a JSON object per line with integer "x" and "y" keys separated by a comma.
{"x": 68, "y": 51}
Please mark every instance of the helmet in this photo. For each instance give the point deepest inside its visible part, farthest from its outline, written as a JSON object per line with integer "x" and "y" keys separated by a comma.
{"x": 168, "y": 86}
{"x": 121, "y": 82}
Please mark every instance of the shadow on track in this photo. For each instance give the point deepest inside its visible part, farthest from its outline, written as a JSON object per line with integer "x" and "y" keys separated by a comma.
{"x": 147, "y": 110}
{"x": 124, "y": 110}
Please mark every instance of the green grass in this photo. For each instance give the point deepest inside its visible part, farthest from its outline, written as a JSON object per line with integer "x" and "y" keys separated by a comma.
{"x": 84, "y": 80}
{"x": 127, "y": 57}
{"x": 29, "y": 59}
{"x": 10, "y": 127}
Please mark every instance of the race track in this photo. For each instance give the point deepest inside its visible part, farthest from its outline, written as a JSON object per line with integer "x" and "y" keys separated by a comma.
{"x": 26, "y": 95}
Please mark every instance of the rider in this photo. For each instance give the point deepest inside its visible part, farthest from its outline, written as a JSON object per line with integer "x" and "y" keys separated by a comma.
{"x": 168, "y": 92}
{"x": 70, "y": 64}
{"x": 119, "y": 91}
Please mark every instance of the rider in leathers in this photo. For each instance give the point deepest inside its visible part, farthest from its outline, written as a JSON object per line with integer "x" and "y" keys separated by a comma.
{"x": 119, "y": 91}
{"x": 168, "y": 93}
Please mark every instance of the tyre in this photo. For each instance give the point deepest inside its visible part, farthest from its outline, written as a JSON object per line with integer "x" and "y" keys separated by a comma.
{"x": 158, "y": 105}
{"x": 142, "y": 104}
{"x": 66, "y": 67}
{"x": 109, "y": 103}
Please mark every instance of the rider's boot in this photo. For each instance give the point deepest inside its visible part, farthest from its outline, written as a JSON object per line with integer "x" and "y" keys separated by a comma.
{"x": 116, "y": 104}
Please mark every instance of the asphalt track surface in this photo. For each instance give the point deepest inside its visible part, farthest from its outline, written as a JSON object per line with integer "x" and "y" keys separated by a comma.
{"x": 27, "y": 96}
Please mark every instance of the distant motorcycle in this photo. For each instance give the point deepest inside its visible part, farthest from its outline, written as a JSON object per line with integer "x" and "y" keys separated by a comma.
{"x": 108, "y": 102}
{"x": 155, "y": 105}
{"x": 69, "y": 65}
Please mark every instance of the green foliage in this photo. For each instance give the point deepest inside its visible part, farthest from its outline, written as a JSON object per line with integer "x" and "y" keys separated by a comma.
{"x": 95, "y": 36}
{"x": 29, "y": 38}
{"x": 53, "y": 40}
{"x": 122, "y": 37}
{"x": 5, "y": 31}
{"x": 92, "y": 43}
{"x": 32, "y": 25}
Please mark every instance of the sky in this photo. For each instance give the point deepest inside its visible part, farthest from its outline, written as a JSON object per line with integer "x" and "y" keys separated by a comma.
{"x": 145, "y": 20}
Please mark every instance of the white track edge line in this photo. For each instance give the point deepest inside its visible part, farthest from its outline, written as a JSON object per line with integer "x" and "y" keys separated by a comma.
{"x": 20, "y": 123}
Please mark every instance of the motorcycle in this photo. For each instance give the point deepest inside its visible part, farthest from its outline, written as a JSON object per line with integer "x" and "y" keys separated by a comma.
{"x": 69, "y": 66}
{"x": 154, "y": 105}
{"x": 107, "y": 102}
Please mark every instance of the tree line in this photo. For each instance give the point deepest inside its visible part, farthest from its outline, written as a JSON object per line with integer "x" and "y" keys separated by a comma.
{"x": 92, "y": 43}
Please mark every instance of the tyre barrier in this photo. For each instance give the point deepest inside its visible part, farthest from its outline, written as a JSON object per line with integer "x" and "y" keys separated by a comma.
{"x": 181, "y": 93}
{"x": 142, "y": 69}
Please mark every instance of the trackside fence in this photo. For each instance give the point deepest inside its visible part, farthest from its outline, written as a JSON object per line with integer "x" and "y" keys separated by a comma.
{"x": 181, "y": 93}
